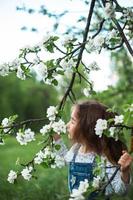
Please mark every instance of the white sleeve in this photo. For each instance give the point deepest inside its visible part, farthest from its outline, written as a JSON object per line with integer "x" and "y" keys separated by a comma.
{"x": 64, "y": 152}
{"x": 117, "y": 185}
{"x": 63, "y": 149}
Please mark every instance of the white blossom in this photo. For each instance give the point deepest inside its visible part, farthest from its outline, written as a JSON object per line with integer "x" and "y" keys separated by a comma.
{"x": 83, "y": 186}
{"x": 59, "y": 127}
{"x": 51, "y": 113}
{"x": 29, "y": 135}
{"x": 20, "y": 73}
{"x": 77, "y": 194}
{"x": 112, "y": 34}
{"x": 48, "y": 81}
{"x": 2, "y": 142}
{"x": 36, "y": 61}
{"x": 96, "y": 182}
{"x": 24, "y": 137}
{"x": 118, "y": 119}
{"x": 98, "y": 42}
{"x": 5, "y": 122}
{"x": 68, "y": 66}
{"x": 90, "y": 45}
{"x": 42, "y": 71}
{"x": 38, "y": 160}
{"x": 47, "y": 152}
{"x": 109, "y": 10}
{"x": 4, "y": 69}
{"x": 14, "y": 64}
{"x": 101, "y": 125}
{"x": 26, "y": 173}
{"x": 59, "y": 161}
{"x": 45, "y": 129}
{"x": 12, "y": 176}
{"x": 112, "y": 131}
{"x": 21, "y": 138}
{"x": 67, "y": 39}
{"x": 39, "y": 157}
{"x": 131, "y": 108}
{"x": 94, "y": 66}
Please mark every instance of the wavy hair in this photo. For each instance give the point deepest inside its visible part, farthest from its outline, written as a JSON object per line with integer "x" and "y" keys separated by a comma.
{"x": 87, "y": 114}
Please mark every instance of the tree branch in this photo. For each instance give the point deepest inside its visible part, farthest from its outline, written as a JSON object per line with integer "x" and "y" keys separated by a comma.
{"x": 24, "y": 122}
{"x": 123, "y": 36}
{"x": 80, "y": 54}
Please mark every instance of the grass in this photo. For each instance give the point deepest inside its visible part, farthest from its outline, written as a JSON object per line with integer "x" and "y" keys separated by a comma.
{"x": 50, "y": 185}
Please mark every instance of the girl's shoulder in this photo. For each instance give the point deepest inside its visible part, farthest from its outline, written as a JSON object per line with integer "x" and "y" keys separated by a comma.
{"x": 74, "y": 147}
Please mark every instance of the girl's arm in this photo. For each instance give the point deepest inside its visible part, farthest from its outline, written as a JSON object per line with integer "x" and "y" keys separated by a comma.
{"x": 125, "y": 162}
{"x": 122, "y": 179}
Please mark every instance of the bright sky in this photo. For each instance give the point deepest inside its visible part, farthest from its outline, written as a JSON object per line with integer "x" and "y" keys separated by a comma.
{"x": 12, "y": 38}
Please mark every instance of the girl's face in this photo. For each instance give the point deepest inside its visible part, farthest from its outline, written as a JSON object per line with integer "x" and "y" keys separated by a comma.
{"x": 71, "y": 125}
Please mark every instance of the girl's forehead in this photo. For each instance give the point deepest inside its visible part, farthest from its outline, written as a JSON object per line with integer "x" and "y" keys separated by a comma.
{"x": 74, "y": 111}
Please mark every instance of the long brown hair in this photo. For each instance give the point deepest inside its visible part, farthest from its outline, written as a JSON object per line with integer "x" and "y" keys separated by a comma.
{"x": 88, "y": 113}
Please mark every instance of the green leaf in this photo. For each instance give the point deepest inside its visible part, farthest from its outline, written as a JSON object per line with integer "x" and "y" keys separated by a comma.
{"x": 55, "y": 38}
{"x": 60, "y": 72}
{"x": 57, "y": 147}
{"x": 55, "y": 82}
{"x": 13, "y": 118}
{"x": 50, "y": 47}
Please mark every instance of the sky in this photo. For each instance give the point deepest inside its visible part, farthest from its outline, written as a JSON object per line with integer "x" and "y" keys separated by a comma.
{"x": 12, "y": 38}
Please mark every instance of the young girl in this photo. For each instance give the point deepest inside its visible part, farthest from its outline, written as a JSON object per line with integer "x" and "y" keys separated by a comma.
{"x": 86, "y": 145}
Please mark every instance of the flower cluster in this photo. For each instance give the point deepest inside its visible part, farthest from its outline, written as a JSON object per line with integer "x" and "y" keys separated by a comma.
{"x": 68, "y": 66}
{"x": 23, "y": 137}
{"x": 57, "y": 126}
{"x": 7, "y": 126}
{"x": 26, "y": 173}
{"x": 49, "y": 158}
{"x": 67, "y": 39}
{"x": 15, "y": 65}
{"x": 51, "y": 113}
{"x": 30, "y": 60}
{"x": 102, "y": 125}
{"x": 109, "y": 10}
{"x": 12, "y": 176}
{"x": 5, "y": 123}
{"x": 96, "y": 182}
{"x": 78, "y": 194}
{"x": 95, "y": 44}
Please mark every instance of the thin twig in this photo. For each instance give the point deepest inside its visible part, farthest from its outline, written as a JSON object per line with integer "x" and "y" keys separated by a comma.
{"x": 24, "y": 122}
{"x": 123, "y": 36}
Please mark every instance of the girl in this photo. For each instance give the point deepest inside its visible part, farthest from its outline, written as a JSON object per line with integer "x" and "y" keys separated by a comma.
{"x": 86, "y": 145}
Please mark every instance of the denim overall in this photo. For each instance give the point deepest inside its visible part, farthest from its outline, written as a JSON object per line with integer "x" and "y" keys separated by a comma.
{"x": 79, "y": 172}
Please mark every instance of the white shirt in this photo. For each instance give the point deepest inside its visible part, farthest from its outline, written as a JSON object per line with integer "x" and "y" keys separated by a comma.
{"x": 116, "y": 186}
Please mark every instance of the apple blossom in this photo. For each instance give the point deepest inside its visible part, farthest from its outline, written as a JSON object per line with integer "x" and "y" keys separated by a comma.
{"x": 26, "y": 173}
{"x": 12, "y": 176}
{"x": 119, "y": 119}
{"x": 101, "y": 125}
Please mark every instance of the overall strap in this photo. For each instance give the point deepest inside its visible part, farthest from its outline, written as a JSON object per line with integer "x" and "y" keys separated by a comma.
{"x": 76, "y": 152}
